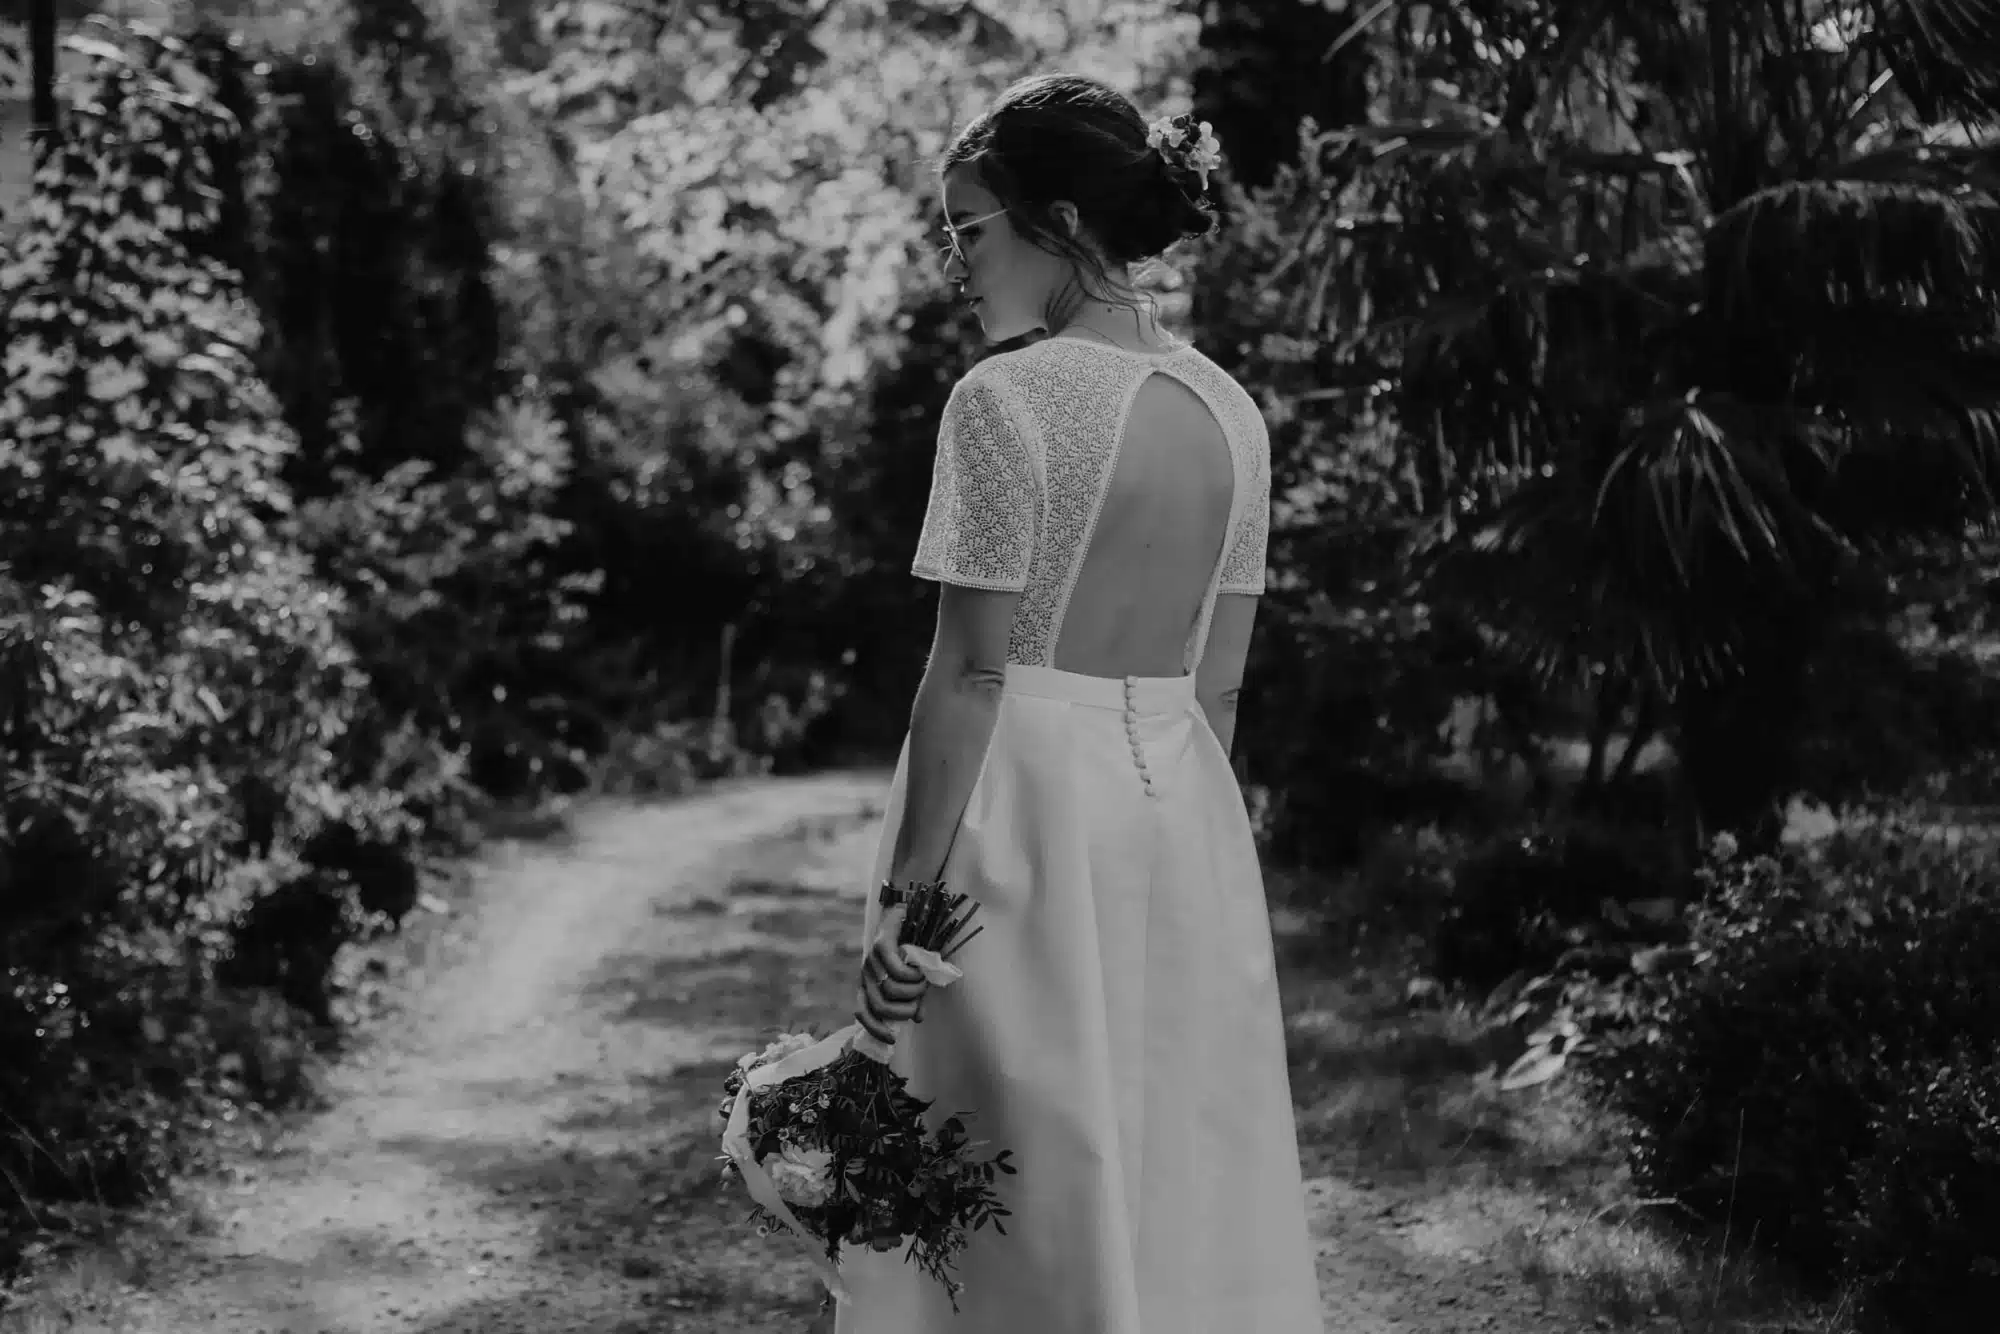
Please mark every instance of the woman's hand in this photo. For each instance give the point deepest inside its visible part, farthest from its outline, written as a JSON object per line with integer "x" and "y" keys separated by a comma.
{"x": 891, "y": 991}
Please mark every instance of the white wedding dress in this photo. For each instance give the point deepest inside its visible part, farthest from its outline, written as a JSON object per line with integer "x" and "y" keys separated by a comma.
{"x": 1118, "y": 1023}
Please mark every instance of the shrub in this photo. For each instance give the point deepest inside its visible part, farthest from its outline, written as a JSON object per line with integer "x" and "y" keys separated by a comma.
{"x": 287, "y": 938}
{"x": 1924, "y": 1234}
{"x": 358, "y": 207}
{"x": 1524, "y": 899}
{"x": 177, "y": 687}
{"x": 1760, "y": 1086}
{"x": 456, "y": 610}
{"x": 1882, "y": 719}
{"x": 1400, "y": 889}
{"x": 364, "y": 203}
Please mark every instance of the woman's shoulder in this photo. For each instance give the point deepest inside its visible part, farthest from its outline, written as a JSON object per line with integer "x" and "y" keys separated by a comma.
{"x": 1010, "y": 382}
{"x": 1205, "y": 372}
{"x": 1004, "y": 367}
{"x": 1193, "y": 360}
{"x": 1053, "y": 360}
{"x": 1016, "y": 377}
{"x": 983, "y": 386}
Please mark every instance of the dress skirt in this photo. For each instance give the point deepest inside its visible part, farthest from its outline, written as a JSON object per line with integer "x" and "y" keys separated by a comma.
{"x": 1118, "y": 1027}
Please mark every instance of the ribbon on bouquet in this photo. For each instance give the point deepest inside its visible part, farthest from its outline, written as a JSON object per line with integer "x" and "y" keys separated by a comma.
{"x": 736, "y": 1143}
{"x": 736, "y": 1134}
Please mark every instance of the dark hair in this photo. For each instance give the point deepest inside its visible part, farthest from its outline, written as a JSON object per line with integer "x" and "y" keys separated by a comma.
{"x": 1066, "y": 136}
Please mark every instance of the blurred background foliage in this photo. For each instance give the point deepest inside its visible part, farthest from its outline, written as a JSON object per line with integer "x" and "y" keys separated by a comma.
{"x": 416, "y": 406}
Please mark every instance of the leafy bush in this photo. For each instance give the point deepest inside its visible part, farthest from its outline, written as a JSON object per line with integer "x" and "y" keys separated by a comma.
{"x": 1759, "y": 1087}
{"x": 457, "y": 610}
{"x": 1403, "y": 884}
{"x": 358, "y": 206}
{"x": 1924, "y": 1235}
{"x": 1526, "y": 898}
{"x": 1881, "y": 718}
{"x": 179, "y": 692}
{"x": 287, "y": 938}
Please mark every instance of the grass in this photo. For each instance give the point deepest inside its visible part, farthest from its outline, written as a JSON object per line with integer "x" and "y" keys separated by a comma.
{"x": 83, "y": 1286}
{"x": 1404, "y": 1101}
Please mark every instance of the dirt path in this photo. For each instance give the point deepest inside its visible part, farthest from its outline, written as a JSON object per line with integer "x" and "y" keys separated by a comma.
{"x": 531, "y": 1146}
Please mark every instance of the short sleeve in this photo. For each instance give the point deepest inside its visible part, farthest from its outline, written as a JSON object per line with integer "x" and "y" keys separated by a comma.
{"x": 979, "y": 531}
{"x": 1249, "y": 547}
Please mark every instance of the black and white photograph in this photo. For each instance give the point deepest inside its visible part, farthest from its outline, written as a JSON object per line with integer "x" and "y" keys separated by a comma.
{"x": 999, "y": 666}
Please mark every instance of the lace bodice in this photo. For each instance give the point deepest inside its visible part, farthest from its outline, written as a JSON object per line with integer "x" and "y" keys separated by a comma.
{"x": 1026, "y": 449}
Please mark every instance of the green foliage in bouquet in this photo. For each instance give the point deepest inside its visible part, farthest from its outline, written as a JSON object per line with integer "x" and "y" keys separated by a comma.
{"x": 848, "y": 1147}
{"x": 847, "y": 1144}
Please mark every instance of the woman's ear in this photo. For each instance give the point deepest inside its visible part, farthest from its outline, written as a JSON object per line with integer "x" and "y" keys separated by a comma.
{"x": 1067, "y": 216}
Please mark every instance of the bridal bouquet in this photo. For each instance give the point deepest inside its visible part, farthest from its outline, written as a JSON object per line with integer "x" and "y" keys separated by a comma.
{"x": 831, "y": 1144}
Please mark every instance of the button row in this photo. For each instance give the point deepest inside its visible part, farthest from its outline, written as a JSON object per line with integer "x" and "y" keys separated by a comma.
{"x": 1132, "y": 735}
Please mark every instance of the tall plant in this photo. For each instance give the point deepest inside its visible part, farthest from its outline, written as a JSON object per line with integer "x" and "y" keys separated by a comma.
{"x": 1685, "y": 312}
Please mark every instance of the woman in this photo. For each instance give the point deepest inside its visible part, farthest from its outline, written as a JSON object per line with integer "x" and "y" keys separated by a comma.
{"x": 1097, "y": 523}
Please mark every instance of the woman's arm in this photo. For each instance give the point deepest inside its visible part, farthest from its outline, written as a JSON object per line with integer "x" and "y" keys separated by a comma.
{"x": 1219, "y": 679}
{"x": 951, "y": 724}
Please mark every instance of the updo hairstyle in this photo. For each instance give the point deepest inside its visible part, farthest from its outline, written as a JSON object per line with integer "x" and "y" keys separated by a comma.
{"x": 1066, "y": 136}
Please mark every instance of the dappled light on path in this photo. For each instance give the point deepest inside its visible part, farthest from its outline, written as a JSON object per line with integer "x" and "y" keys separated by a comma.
{"x": 532, "y": 1147}
{"x": 528, "y": 1143}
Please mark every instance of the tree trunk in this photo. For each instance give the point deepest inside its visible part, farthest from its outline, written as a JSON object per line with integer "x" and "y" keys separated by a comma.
{"x": 1644, "y": 728}
{"x": 1739, "y": 737}
{"x": 42, "y": 66}
{"x": 1610, "y": 710}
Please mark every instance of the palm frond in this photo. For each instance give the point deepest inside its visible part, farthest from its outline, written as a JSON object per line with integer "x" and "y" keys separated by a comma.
{"x": 1907, "y": 384}
{"x": 1941, "y": 166}
{"x": 1946, "y": 54}
{"x": 1482, "y": 134}
{"x": 1883, "y": 301}
{"x": 1513, "y": 375}
{"x": 1656, "y": 566}
{"x": 1544, "y": 600}
{"x": 1705, "y": 485}
{"x": 1785, "y": 255}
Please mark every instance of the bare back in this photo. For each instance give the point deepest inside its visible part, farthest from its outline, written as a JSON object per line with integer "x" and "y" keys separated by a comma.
{"x": 1120, "y": 492}
{"x": 1159, "y": 536}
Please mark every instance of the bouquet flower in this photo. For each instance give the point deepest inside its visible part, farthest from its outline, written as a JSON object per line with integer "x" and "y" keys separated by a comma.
{"x": 832, "y": 1145}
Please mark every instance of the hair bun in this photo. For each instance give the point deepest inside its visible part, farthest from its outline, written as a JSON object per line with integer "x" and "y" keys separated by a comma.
{"x": 1172, "y": 212}
{"x": 1189, "y": 206}
{"x": 1137, "y": 187}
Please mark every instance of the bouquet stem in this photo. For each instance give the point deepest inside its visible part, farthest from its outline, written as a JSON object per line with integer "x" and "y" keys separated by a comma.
{"x": 932, "y": 930}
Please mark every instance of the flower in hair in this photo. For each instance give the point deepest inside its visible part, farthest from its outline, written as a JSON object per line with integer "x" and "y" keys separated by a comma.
{"x": 1186, "y": 145}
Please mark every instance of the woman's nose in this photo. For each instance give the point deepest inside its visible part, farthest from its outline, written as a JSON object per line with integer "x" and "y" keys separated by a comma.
{"x": 956, "y": 270}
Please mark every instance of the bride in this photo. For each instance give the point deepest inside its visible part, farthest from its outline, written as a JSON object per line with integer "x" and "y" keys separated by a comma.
{"x": 1097, "y": 525}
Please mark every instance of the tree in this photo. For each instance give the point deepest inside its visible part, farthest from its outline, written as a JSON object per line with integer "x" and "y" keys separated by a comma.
{"x": 42, "y": 61}
{"x": 769, "y": 167}
{"x": 1690, "y": 311}
{"x": 1266, "y": 66}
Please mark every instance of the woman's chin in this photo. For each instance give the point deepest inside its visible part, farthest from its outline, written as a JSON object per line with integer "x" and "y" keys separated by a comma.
{"x": 1002, "y": 330}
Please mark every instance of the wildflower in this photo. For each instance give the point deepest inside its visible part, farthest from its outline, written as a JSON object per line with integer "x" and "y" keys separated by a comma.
{"x": 1186, "y": 145}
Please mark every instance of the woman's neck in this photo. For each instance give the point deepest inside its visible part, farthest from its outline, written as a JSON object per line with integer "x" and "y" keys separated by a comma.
{"x": 1136, "y": 326}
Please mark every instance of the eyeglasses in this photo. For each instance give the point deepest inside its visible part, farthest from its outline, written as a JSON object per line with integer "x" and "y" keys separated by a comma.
{"x": 953, "y": 247}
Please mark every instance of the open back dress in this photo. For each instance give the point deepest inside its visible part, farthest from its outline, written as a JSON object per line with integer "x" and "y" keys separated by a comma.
{"x": 1118, "y": 1024}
